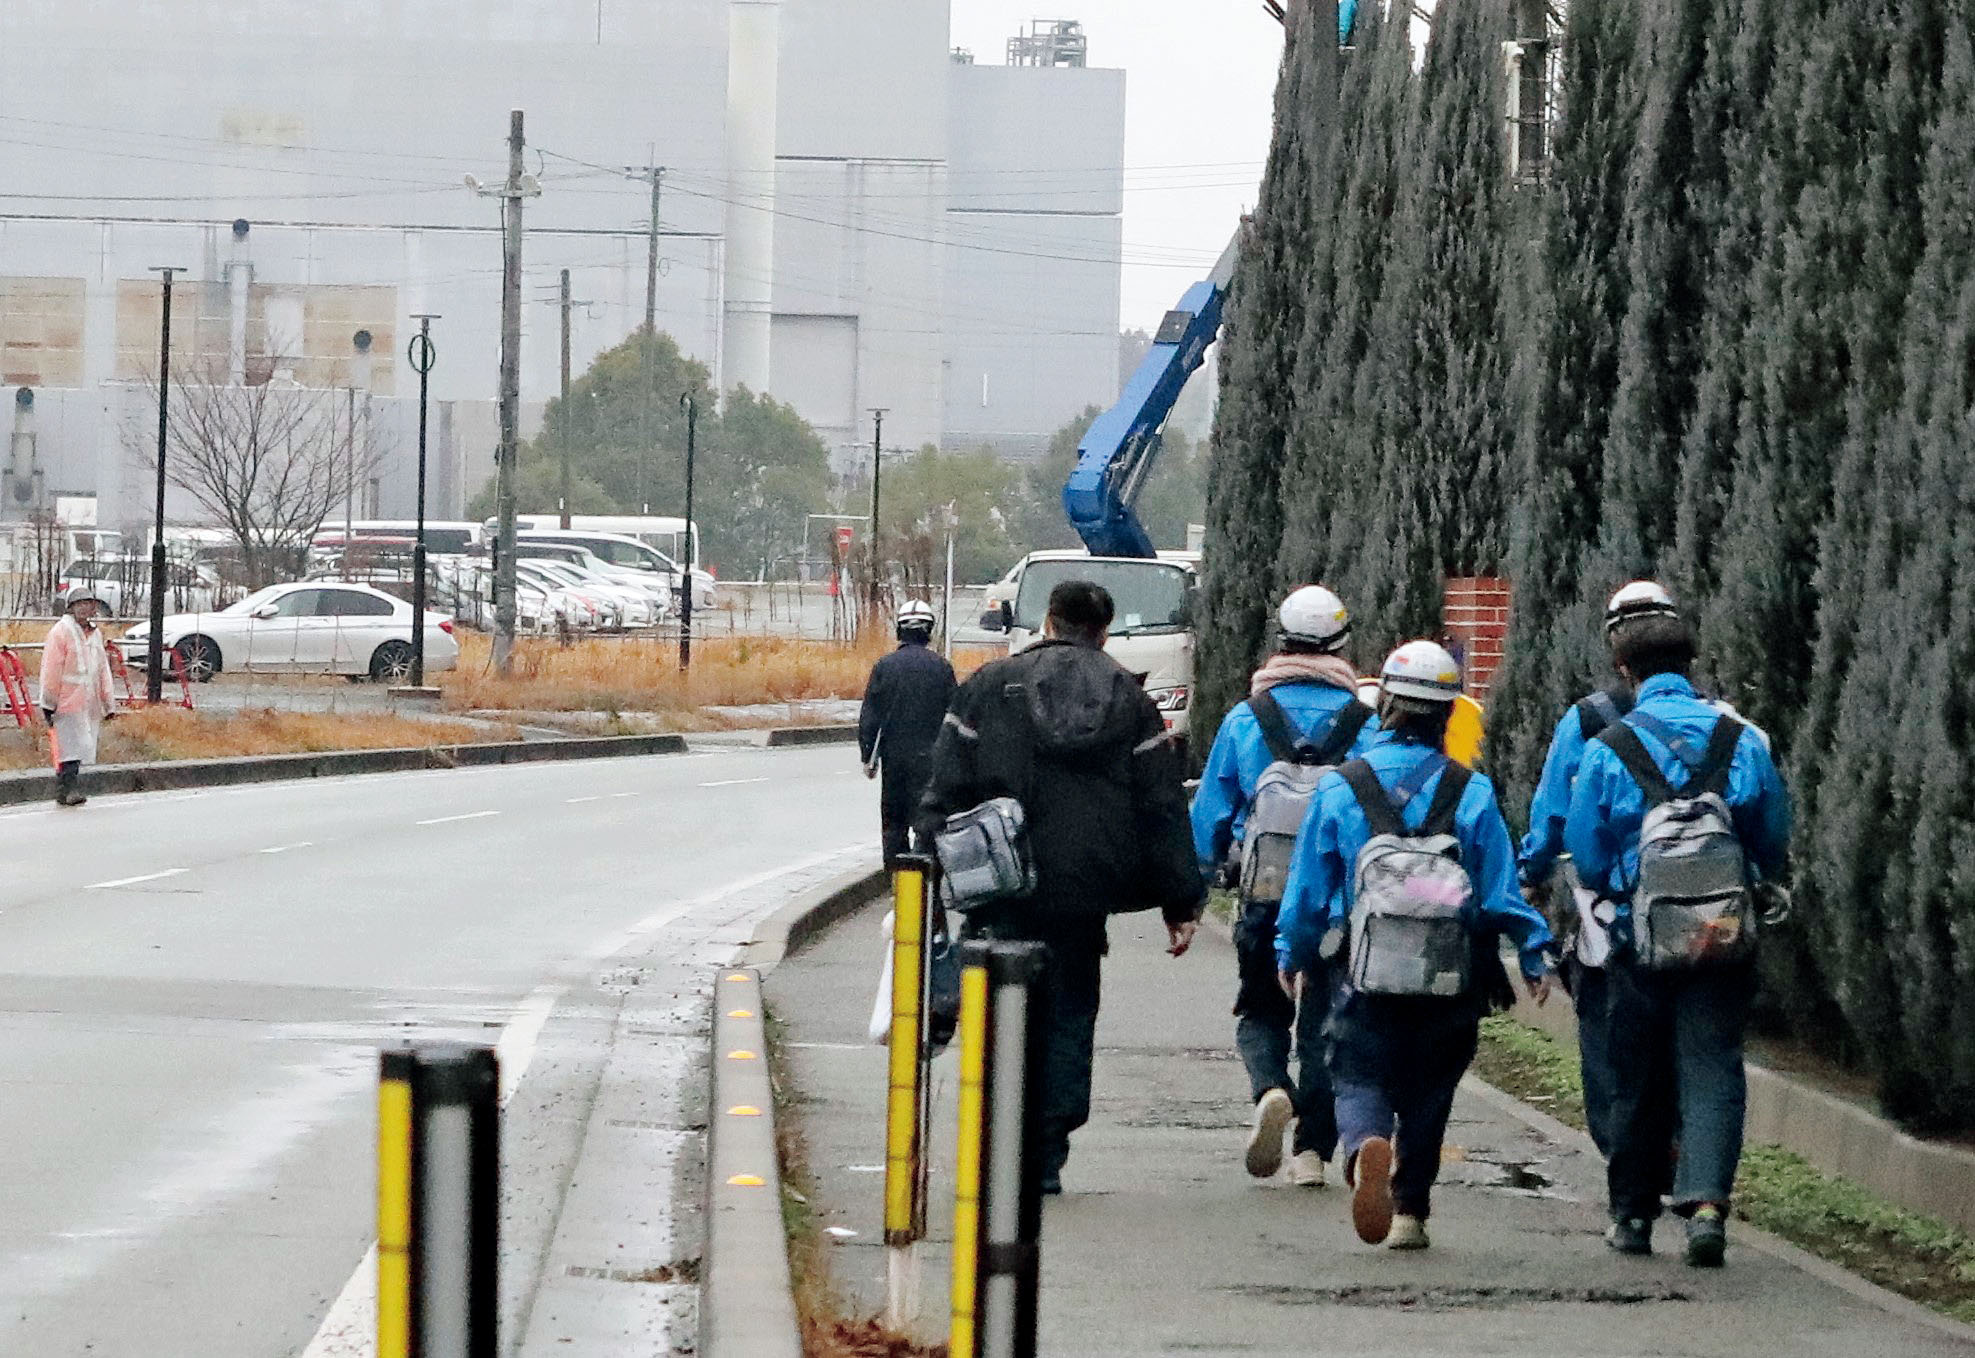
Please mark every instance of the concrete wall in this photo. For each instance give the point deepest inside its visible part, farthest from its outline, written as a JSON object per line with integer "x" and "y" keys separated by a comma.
{"x": 1034, "y": 242}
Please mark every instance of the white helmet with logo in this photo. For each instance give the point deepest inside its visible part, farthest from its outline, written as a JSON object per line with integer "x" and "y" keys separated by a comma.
{"x": 917, "y": 616}
{"x": 1423, "y": 671}
{"x": 1640, "y": 599}
{"x": 1315, "y": 617}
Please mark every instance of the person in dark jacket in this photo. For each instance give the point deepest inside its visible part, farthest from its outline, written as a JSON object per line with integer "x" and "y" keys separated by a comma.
{"x": 905, "y": 701}
{"x": 1072, "y": 735}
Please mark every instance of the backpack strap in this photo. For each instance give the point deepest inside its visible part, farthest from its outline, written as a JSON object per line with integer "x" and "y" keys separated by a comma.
{"x": 1673, "y": 738}
{"x": 1598, "y": 710}
{"x": 1344, "y": 729}
{"x": 1446, "y": 802}
{"x": 1380, "y": 813}
{"x": 1718, "y": 759}
{"x": 1282, "y": 740}
{"x": 1631, "y": 751}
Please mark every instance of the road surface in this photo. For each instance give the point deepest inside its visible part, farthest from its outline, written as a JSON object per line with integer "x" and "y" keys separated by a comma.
{"x": 193, "y": 987}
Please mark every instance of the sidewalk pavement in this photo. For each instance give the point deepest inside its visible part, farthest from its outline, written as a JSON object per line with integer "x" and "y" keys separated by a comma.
{"x": 1163, "y": 1244}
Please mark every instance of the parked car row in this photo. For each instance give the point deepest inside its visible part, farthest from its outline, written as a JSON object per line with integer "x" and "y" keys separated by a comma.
{"x": 306, "y": 627}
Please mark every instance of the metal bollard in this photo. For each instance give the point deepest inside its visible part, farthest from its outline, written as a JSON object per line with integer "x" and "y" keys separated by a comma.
{"x": 438, "y": 1202}
{"x": 905, "y": 1108}
{"x": 997, "y": 1213}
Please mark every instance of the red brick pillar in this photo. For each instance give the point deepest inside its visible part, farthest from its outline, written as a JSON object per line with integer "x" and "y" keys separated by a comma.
{"x": 1475, "y": 619}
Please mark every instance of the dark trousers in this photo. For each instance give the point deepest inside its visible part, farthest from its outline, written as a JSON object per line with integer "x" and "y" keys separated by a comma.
{"x": 1675, "y": 1042}
{"x": 1069, "y": 1039}
{"x": 902, "y": 783}
{"x": 1270, "y": 1027}
{"x": 67, "y": 774}
{"x": 1395, "y": 1063}
{"x": 1590, "y": 994}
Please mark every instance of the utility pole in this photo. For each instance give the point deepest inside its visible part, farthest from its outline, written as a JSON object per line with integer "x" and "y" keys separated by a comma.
{"x": 562, "y": 410}
{"x": 518, "y": 186}
{"x": 655, "y": 175}
{"x": 878, "y": 414}
{"x": 349, "y": 473}
{"x": 154, "y": 649}
{"x": 690, "y": 405}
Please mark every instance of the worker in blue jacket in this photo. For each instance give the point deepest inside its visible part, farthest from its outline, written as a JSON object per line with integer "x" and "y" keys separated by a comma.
{"x": 1588, "y": 941}
{"x": 1302, "y": 707}
{"x": 1397, "y": 1058}
{"x": 1681, "y": 1024}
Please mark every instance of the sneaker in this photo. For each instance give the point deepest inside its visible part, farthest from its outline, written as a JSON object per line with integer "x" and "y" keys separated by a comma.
{"x": 1634, "y": 1235}
{"x": 1371, "y": 1193}
{"x": 1272, "y": 1114}
{"x": 1407, "y": 1233}
{"x": 1707, "y": 1237}
{"x": 1306, "y": 1169}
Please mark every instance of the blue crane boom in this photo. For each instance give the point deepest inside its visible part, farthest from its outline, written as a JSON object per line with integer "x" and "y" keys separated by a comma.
{"x": 1121, "y": 447}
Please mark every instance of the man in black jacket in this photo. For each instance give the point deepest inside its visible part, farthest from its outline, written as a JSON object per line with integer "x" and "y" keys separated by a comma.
{"x": 1073, "y": 736}
{"x": 905, "y": 700}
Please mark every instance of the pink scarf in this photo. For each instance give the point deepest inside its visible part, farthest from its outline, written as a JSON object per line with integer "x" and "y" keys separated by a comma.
{"x": 1334, "y": 670}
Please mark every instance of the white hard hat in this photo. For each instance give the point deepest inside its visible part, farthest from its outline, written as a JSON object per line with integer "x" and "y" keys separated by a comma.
{"x": 1422, "y": 670}
{"x": 1315, "y": 617}
{"x": 83, "y": 594}
{"x": 917, "y": 613}
{"x": 1640, "y": 599}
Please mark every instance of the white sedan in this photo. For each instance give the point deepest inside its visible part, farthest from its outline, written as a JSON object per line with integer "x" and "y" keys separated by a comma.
{"x": 313, "y": 627}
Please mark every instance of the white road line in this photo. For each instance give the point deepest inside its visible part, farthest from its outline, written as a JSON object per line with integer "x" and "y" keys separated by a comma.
{"x": 284, "y": 848}
{"x": 349, "y": 1330}
{"x": 448, "y": 820}
{"x": 733, "y": 782}
{"x": 615, "y": 795}
{"x": 133, "y": 881}
{"x": 572, "y": 801}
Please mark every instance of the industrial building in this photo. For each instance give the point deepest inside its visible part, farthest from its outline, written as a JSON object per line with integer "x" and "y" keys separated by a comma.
{"x": 851, "y": 215}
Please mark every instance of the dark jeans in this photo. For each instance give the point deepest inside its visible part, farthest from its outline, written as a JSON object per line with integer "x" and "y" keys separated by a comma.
{"x": 1069, "y": 1021}
{"x": 1675, "y": 1042}
{"x": 1590, "y": 994}
{"x": 1266, "y": 1022}
{"x": 1396, "y": 1063}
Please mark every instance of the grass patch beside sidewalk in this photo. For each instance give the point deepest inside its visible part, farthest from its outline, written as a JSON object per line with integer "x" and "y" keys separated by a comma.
{"x": 1918, "y": 1257}
{"x": 162, "y": 734}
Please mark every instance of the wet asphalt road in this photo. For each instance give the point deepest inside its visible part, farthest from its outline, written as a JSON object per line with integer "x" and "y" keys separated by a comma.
{"x": 193, "y": 987}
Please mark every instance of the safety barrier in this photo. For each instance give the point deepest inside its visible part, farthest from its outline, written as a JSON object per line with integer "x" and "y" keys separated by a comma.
{"x": 438, "y": 1202}
{"x": 907, "y": 1105}
{"x": 13, "y": 687}
{"x": 175, "y": 663}
{"x": 997, "y": 1208}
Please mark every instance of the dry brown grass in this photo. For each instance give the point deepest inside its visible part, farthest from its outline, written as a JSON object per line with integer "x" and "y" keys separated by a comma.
{"x": 643, "y": 675}
{"x": 161, "y": 734}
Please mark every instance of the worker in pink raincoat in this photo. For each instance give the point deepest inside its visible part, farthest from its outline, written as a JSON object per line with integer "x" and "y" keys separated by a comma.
{"x": 76, "y": 696}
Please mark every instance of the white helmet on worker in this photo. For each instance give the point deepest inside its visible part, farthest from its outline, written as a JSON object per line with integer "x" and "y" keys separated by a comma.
{"x": 83, "y": 594}
{"x": 1315, "y": 618}
{"x": 1640, "y": 599}
{"x": 1423, "y": 671}
{"x": 916, "y": 618}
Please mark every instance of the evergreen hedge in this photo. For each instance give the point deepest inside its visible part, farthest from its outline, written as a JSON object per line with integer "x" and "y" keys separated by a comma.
{"x": 1729, "y": 341}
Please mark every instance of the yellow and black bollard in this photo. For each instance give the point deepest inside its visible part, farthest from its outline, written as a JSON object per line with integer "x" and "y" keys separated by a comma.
{"x": 438, "y": 1202}
{"x": 905, "y": 1104}
{"x": 997, "y": 1210}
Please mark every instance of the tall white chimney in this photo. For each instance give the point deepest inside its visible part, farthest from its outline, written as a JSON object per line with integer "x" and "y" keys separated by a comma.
{"x": 754, "y": 60}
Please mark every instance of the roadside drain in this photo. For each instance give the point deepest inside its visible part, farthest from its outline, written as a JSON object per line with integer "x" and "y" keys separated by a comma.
{"x": 1459, "y": 1298}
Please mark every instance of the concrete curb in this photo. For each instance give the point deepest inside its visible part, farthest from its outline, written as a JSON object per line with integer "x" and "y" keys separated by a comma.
{"x": 747, "y": 1302}
{"x": 1835, "y": 1134}
{"x": 783, "y": 736}
{"x": 747, "y": 1299}
{"x": 1562, "y": 1133}
{"x": 16, "y": 788}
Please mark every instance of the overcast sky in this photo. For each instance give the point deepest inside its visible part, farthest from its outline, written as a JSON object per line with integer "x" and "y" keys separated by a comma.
{"x": 1200, "y": 83}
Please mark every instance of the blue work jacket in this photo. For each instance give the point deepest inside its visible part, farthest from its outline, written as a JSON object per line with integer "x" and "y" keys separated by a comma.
{"x": 1607, "y": 805}
{"x": 1235, "y": 764}
{"x": 1320, "y": 892}
{"x": 1551, "y": 805}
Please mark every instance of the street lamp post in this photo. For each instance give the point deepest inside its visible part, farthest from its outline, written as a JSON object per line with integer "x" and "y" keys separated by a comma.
{"x": 422, "y": 356}
{"x": 877, "y": 537}
{"x": 691, "y": 406}
{"x": 154, "y": 648}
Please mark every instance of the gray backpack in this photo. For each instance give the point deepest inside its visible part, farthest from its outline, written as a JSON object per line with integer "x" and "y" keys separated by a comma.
{"x": 1285, "y": 790}
{"x": 1691, "y": 906}
{"x": 1412, "y": 900}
